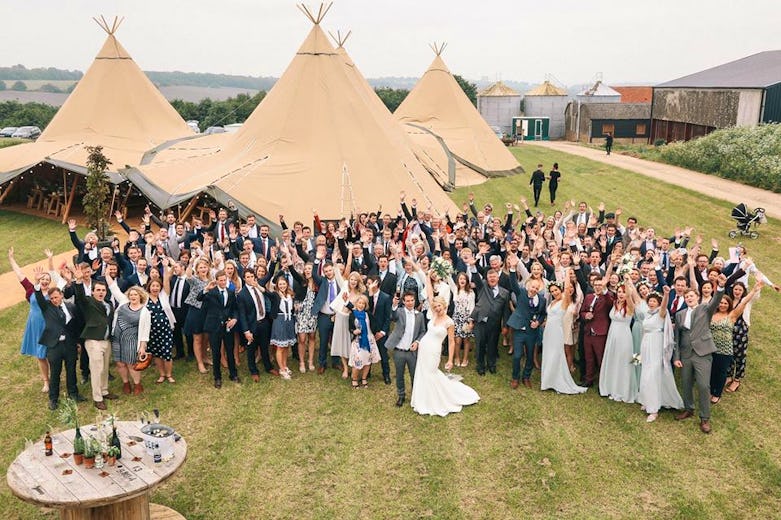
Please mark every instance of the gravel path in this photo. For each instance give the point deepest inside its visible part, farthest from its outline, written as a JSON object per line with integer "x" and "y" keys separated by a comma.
{"x": 707, "y": 184}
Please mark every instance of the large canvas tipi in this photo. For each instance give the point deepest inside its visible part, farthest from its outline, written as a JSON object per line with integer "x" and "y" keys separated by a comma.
{"x": 438, "y": 106}
{"x": 313, "y": 142}
{"x": 114, "y": 105}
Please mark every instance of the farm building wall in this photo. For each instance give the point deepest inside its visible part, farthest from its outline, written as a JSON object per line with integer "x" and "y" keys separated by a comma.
{"x": 772, "y": 108}
{"x": 718, "y": 108}
{"x": 547, "y": 106}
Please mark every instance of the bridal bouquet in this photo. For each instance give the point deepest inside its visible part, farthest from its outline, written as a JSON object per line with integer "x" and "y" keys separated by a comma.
{"x": 625, "y": 265}
{"x": 442, "y": 267}
{"x": 635, "y": 360}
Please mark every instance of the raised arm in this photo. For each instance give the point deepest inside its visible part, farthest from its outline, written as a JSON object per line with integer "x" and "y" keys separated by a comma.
{"x": 738, "y": 311}
{"x": 17, "y": 270}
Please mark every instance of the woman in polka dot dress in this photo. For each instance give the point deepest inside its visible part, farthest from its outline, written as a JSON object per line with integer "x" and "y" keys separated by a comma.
{"x": 161, "y": 336}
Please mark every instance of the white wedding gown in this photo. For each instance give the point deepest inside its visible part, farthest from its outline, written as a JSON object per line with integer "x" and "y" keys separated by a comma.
{"x": 554, "y": 373}
{"x": 433, "y": 392}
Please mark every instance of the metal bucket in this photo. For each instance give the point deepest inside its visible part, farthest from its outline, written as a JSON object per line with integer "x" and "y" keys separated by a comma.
{"x": 161, "y": 435}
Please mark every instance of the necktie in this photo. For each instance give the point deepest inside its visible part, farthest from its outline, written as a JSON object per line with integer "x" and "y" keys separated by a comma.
{"x": 224, "y": 297}
{"x": 61, "y": 313}
{"x": 664, "y": 260}
{"x": 331, "y": 291}
{"x": 259, "y": 301}
{"x": 222, "y": 232}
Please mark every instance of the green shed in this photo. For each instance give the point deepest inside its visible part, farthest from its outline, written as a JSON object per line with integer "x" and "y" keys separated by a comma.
{"x": 531, "y": 128}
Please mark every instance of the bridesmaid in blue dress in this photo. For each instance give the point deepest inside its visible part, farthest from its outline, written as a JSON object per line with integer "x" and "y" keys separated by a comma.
{"x": 35, "y": 322}
{"x": 617, "y": 377}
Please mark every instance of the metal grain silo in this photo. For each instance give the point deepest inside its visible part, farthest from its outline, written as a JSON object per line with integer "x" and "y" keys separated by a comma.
{"x": 498, "y": 104}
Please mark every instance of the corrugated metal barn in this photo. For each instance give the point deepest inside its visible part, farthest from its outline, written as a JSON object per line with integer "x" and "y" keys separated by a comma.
{"x": 744, "y": 92}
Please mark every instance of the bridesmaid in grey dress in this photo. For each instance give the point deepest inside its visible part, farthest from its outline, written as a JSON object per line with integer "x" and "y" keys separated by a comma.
{"x": 657, "y": 384}
{"x": 130, "y": 333}
{"x": 641, "y": 311}
{"x": 617, "y": 378}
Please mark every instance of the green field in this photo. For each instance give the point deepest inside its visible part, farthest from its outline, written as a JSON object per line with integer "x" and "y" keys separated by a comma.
{"x": 30, "y": 236}
{"x": 35, "y": 84}
{"x": 314, "y": 448}
{"x": 7, "y": 141}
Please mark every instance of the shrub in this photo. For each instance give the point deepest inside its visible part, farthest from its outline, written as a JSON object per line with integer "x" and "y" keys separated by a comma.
{"x": 751, "y": 155}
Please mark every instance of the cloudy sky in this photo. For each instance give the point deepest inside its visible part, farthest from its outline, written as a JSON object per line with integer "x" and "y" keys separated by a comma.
{"x": 625, "y": 41}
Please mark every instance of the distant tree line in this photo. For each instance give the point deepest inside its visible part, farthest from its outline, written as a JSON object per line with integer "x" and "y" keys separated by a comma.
{"x": 204, "y": 79}
{"x": 218, "y": 113}
{"x": 21, "y": 72}
{"x": 13, "y": 113}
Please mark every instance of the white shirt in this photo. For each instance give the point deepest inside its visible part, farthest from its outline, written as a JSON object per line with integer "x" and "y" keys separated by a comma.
{"x": 409, "y": 329}
{"x": 687, "y": 320}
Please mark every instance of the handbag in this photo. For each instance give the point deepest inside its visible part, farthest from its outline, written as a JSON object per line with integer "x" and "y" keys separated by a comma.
{"x": 143, "y": 362}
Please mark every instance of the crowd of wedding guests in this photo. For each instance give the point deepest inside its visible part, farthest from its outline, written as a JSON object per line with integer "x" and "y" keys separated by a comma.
{"x": 576, "y": 290}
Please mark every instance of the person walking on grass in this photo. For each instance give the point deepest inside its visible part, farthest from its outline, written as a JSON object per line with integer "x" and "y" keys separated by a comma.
{"x": 537, "y": 180}
{"x": 608, "y": 142}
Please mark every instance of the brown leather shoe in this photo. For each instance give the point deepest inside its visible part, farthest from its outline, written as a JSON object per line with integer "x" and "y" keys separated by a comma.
{"x": 274, "y": 372}
{"x": 126, "y": 388}
{"x": 110, "y": 396}
{"x": 684, "y": 415}
{"x": 138, "y": 389}
{"x": 255, "y": 378}
{"x": 527, "y": 383}
{"x": 320, "y": 370}
{"x": 100, "y": 405}
{"x": 705, "y": 426}
{"x": 514, "y": 384}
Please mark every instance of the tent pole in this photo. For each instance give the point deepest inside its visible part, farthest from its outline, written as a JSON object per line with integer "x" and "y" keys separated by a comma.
{"x": 7, "y": 190}
{"x": 189, "y": 209}
{"x": 66, "y": 212}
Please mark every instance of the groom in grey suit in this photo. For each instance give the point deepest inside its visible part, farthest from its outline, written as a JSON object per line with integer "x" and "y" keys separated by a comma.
{"x": 693, "y": 352}
{"x": 403, "y": 341}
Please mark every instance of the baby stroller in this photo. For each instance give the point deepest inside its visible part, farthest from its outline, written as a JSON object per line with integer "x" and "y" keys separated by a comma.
{"x": 745, "y": 219}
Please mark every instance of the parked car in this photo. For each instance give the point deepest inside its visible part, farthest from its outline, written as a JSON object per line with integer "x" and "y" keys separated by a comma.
{"x": 193, "y": 124}
{"x": 8, "y": 131}
{"x": 233, "y": 127}
{"x": 27, "y": 132}
{"x": 214, "y": 130}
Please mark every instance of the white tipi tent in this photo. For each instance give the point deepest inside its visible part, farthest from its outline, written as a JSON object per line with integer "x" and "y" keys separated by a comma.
{"x": 114, "y": 105}
{"x": 314, "y": 141}
{"x": 437, "y": 106}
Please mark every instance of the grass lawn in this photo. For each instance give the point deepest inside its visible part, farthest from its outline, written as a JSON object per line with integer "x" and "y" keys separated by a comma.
{"x": 314, "y": 448}
{"x": 7, "y": 141}
{"x": 29, "y": 236}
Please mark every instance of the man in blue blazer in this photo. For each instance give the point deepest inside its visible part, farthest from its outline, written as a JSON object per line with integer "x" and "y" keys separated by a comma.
{"x": 328, "y": 290}
{"x": 219, "y": 319}
{"x": 526, "y": 320}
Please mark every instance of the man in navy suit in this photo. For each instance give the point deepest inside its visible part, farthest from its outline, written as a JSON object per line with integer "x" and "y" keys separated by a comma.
{"x": 219, "y": 319}
{"x": 255, "y": 324}
{"x": 59, "y": 335}
{"x": 529, "y": 314}
{"x": 379, "y": 320}
{"x": 180, "y": 289}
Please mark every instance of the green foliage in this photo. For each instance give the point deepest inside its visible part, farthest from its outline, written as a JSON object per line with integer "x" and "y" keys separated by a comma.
{"x": 217, "y": 113}
{"x": 751, "y": 155}
{"x": 469, "y": 88}
{"x": 48, "y": 87}
{"x": 69, "y": 413}
{"x": 13, "y": 113}
{"x": 50, "y": 73}
{"x": 659, "y": 142}
{"x": 98, "y": 189}
{"x": 78, "y": 445}
{"x": 2, "y": 85}
{"x": 113, "y": 451}
{"x": 392, "y": 97}
{"x": 19, "y": 85}
{"x": 91, "y": 447}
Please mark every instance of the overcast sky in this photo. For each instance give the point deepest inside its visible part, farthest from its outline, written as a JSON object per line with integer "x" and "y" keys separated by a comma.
{"x": 626, "y": 41}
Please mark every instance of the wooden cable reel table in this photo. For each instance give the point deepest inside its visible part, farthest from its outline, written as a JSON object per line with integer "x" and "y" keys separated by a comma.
{"x": 80, "y": 493}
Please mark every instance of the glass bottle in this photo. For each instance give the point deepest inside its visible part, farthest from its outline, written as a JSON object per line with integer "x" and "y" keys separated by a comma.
{"x": 115, "y": 441}
{"x": 47, "y": 445}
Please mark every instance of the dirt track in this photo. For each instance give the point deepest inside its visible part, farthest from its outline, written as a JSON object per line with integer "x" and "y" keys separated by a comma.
{"x": 706, "y": 184}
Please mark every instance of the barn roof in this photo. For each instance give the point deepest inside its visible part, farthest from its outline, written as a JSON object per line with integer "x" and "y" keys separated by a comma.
{"x": 759, "y": 70}
{"x": 635, "y": 94}
{"x": 616, "y": 110}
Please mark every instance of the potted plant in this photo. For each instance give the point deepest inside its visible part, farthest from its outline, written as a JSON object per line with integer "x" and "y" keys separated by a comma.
{"x": 69, "y": 416}
{"x": 113, "y": 452}
{"x": 91, "y": 448}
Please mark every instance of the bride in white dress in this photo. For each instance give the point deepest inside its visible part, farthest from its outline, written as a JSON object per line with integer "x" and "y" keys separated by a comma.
{"x": 555, "y": 373}
{"x": 433, "y": 392}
